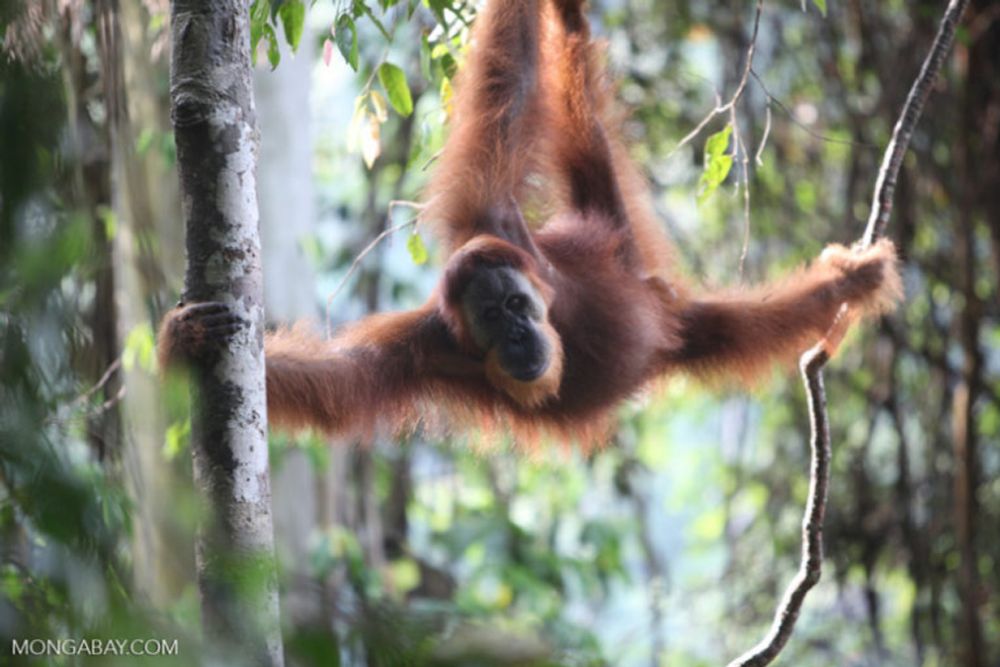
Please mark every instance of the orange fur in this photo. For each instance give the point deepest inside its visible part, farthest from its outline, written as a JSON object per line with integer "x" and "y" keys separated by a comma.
{"x": 533, "y": 102}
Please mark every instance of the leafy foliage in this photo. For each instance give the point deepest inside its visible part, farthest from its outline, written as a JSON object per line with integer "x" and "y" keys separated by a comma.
{"x": 418, "y": 251}
{"x": 717, "y": 163}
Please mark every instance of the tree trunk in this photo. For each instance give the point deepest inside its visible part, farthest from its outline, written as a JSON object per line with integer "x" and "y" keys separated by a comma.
{"x": 213, "y": 112}
{"x": 89, "y": 192}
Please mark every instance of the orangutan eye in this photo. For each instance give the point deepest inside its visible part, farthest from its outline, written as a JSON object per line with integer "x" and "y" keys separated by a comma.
{"x": 516, "y": 303}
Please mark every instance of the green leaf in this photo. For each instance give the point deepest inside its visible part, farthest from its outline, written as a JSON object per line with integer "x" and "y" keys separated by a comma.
{"x": 176, "y": 439}
{"x": 139, "y": 350}
{"x": 109, "y": 220}
{"x": 273, "y": 52}
{"x": 449, "y": 66}
{"x": 293, "y": 20}
{"x": 418, "y": 251}
{"x": 258, "y": 22}
{"x": 821, "y": 5}
{"x": 393, "y": 80}
{"x": 717, "y": 144}
{"x": 437, "y": 8}
{"x": 717, "y": 163}
{"x": 405, "y": 575}
{"x": 346, "y": 37}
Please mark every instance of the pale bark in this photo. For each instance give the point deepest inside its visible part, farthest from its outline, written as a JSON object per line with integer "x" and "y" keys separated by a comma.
{"x": 214, "y": 119}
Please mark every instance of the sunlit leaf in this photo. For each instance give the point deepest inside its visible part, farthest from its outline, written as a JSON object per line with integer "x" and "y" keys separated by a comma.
{"x": 176, "y": 439}
{"x": 709, "y": 525}
{"x": 405, "y": 575}
{"x": 379, "y": 105}
{"x": 821, "y": 5}
{"x": 717, "y": 163}
{"x": 717, "y": 143}
{"x": 371, "y": 142}
{"x": 418, "y": 251}
{"x": 109, "y": 220}
{"x": 393, "y": 80}
{"x": 139, "y": 350}
{"x": 447, "y": 95}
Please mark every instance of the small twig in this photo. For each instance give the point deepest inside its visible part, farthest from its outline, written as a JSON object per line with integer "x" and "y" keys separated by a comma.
{"x": 110, "y": 403}
{"x": 744, "y": 159}
{"x": 767, "y": 133}
{"x": 815, "y": 359}
{"x": 697, "y": 130}
{"x": 386, "y": 233}
{"x": 85, "y": 396}
{"x": 105, "y": 377}
{"x": 798, "y": 123}
{"x": 738, "y": 146}
{"x": 740, "y": 88}
{"x": 432, "y": 159}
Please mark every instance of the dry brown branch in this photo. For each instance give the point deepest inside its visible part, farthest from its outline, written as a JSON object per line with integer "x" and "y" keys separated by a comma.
{"x": 105, "y": 377}
{"x": 815, "y": 359}
{"x": 812, "y": 522}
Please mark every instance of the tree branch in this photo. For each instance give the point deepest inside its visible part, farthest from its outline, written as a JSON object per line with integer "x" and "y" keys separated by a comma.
{"x": 892, "y": 160}
{"x": 815, "y": 359}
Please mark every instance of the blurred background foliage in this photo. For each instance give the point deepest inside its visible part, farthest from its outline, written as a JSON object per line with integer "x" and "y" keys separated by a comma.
{"x": 668, "y": 547}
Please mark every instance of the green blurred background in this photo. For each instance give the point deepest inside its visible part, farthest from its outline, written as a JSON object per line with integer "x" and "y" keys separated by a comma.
{"x": 672, "y": 545}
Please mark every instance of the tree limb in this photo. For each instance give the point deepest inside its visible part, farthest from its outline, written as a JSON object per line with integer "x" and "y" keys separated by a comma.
{"x": 815, "y": 359}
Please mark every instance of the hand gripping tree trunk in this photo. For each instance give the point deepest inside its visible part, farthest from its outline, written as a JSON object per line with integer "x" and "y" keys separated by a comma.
{"x": 213, "y": 114}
